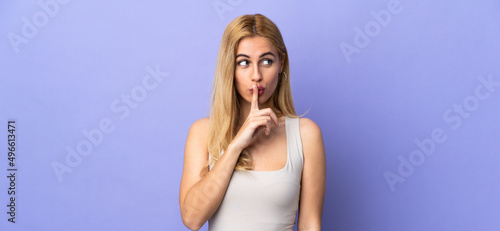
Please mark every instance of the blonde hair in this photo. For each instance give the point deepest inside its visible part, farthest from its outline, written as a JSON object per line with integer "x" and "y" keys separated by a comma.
{"x": 225, "y": 108}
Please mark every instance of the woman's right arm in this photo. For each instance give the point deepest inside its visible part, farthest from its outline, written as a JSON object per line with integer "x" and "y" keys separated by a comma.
{"x": 200, "y": 196}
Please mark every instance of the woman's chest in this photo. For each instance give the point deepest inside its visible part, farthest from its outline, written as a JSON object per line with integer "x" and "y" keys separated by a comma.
{"x": 272, "y": 190}
{"x": 269, "y": 153}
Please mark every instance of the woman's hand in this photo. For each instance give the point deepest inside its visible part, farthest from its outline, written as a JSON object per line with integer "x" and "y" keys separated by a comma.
{"x": 256, "y": 121}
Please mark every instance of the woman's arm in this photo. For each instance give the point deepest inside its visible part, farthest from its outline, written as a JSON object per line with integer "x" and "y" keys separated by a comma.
{"x": 312, "y": 192}
{"x": 199, "y": 196}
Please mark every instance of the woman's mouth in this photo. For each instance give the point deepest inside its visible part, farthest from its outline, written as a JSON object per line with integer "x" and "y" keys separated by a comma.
{"x": 260, "y": 90}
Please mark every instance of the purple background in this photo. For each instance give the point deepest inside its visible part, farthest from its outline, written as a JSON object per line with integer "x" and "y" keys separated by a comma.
{"x": 371, "y": 106}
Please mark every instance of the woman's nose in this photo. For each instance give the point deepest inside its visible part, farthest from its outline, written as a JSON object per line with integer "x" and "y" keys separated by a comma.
{"x": 256, "y": 75}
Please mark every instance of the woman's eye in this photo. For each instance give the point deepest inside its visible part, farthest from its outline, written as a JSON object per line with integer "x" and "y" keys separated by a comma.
{"x": 243, "y": 63}
{"x": 267, "y": 62}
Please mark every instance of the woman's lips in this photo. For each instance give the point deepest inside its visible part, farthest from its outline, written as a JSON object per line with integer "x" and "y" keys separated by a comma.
{"x": 261, "y": 90}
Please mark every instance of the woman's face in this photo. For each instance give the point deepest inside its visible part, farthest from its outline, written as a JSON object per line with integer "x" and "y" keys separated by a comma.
{"x": 257, "y": 63}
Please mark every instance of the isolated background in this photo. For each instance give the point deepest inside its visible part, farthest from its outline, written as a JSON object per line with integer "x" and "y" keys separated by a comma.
{"x": 426, "y": 61}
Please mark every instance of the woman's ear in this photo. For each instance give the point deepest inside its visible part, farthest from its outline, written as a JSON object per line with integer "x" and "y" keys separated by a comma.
{"x": 282, "y": 62}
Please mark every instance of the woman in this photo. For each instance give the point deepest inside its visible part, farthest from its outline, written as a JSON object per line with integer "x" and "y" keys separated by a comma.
{"x": 264, "y": 162}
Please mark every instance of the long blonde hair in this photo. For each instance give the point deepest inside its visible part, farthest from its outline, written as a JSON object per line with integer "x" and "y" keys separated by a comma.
{"x": 225, "y": 108}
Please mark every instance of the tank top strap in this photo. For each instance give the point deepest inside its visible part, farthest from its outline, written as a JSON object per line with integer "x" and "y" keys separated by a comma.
{"x": 294, "y": 146}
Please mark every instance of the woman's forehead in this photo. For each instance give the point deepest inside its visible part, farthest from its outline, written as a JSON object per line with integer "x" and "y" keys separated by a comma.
{"x": 255, "y": 46}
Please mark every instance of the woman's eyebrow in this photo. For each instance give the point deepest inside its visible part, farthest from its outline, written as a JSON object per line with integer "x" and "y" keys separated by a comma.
{"x": 267, "y": 53}
{"x": 262, "y": 55}
{"x": 242, "y": 55}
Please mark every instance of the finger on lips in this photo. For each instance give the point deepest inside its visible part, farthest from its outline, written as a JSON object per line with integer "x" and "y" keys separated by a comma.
{"x": 255, "y": 98}
{"x": 255, "y": 106}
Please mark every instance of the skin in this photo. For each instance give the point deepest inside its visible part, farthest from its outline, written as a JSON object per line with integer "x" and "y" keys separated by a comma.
{"x": 259, "y": 131}
{"x": 257, "y": 63}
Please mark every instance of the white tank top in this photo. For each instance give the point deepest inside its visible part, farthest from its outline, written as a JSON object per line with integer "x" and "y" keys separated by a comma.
{"x": 264, "y": 200}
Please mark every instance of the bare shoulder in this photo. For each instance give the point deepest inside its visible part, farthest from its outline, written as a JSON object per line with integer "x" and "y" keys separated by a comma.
{"x": 309, "y": 129}
{"x": 195, "y": 155}
{"x": 197, "y": 139}
{"x": 312, "y": 139}
{"x": 313, "y": 182}
{"x": 200, "y": 125}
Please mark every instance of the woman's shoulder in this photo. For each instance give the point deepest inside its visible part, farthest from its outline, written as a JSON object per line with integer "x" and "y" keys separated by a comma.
{"x": 199, "y": 128}
{"x": 310, "y": 134}
{"x": 201, "y": 123}
{"x": 312, "y": 139}
{"x": 308, "y": 127}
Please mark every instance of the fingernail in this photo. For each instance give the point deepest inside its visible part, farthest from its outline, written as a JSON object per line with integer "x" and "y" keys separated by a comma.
{"x": 253, "y": 86}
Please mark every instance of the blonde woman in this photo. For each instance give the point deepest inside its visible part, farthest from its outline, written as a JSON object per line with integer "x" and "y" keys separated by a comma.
{"x": 253, "y": 163}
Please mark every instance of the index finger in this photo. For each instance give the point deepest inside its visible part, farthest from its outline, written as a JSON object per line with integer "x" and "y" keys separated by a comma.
{"x": 254, "y": 105}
